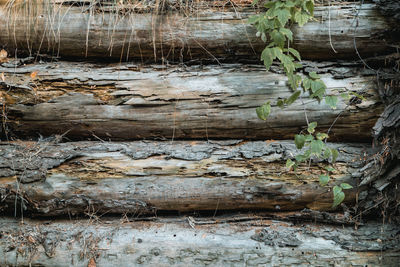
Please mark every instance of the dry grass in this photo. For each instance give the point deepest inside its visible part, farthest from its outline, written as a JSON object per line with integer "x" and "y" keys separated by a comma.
{"x": 43, "y": 20}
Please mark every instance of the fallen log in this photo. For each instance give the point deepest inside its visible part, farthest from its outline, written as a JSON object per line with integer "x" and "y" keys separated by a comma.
{"x": 202, "y": 32}
{"x": 145, "y": 177}
{"x": 188, "y": 242}
{"x": 125, "y": 102}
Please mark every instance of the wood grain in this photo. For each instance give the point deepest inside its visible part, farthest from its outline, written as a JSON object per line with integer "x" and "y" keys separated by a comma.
{"x": 203, "y": 33}
{"x": 146, "y": 177}
{"x": 127, "y": 101}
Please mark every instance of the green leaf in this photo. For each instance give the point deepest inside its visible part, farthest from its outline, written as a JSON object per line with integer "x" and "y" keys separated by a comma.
{"x": 288, "y": 33}
{"x": 330, "y": 169}
{"x": 327, "y": 153}
{"x": 345, "y": 96}
{"x": 331, "y": 101}
{"x": 307, "y": 83}
{"x": 268, "y": 57}
{"x": 283, "y": 15}
{"x": 322, "y": 136}
{"x": 309, "y": 138}
{"x": 295, "y": 53}
{"x": 287, "y": 62}
{"x": 294, "y": 80}
{"x": 317, "y": 85}
{"x": 346, "y": 186}
{"x": 298, "y": 65}
{"x": 310, "y": 7}
{"x": 299, "y": 140}
{"x": 338, "y": 196}
{"x": 307, "y": 153}
{"x": 276, "y": 52}
{"x": 254, "y": 19}
{"x": 300, "y": 158}
{"x": 319, "y": 94}
{"x": 279, "y": 4}
{"x": 316, "y": 147}
{"x": 311, "y": 127}
{"x": 280, "y": 103}
{"x": 268, "y": 4}
{"x": 263, "y": 111}
{"x": 293, "y": 97}
{"x": 337, "y": 199}
{"x": 335, "y": 154}
{"x": 324, "y": 179}
{"x": 337, "y": 189}
{"x": 290, "y": 3}
{"x": 290, "y": 164}
{"x": 314, "y": 75}
{"x": 301, "y": 18}
{"x": 278, "y": 38}
{"x": 263, "y": 37}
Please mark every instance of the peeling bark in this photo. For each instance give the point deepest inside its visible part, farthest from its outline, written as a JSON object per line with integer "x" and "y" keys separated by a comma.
{"x": 202, "y": 33}
{"x": 125, "y": 102}
{"x": 145, "y": 177}
{"x": 111, "y": 242}
{"x": 382, "y": 197}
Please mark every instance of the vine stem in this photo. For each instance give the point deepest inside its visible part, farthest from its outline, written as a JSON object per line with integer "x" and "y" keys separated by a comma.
{"x": 304, "y": 109}
{"x": 329, "y": 28}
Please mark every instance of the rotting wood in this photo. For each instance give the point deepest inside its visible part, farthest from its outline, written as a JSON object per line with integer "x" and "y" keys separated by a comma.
{"x": 207, "y": 34}
{"x": 146, "y": 177}
{"x": 113, "y": 242}
{"x": 383, "y": 180}
{"x": 126, "y": 101}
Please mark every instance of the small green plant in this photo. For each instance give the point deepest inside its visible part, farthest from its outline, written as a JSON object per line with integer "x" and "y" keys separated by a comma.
{"x": 314, "y": 146}
{"x": 338, "y": 195}
{"x": 273, "y": 27}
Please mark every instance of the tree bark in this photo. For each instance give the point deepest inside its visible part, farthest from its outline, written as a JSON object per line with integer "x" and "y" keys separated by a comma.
{"x": 125, "y": 102}
{"x": 194, "y": 242}
{"x": 200, "y": 33}
{"x": 146, "y": 177}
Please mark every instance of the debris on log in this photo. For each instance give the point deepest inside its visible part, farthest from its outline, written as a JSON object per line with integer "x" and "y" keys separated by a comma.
{"x": 382, "y": 197}
{"x": 126, "y": 102}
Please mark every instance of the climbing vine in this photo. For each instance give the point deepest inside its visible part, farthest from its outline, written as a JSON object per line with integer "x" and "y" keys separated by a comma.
{"x": 273, "y": 27}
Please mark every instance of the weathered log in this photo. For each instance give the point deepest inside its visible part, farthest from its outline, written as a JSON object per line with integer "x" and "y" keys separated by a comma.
{"x": 146, "y": 177}
{"x": 200, "y": 33}
{"x": 184, "y": 242}
{"x": 125, "y": 102}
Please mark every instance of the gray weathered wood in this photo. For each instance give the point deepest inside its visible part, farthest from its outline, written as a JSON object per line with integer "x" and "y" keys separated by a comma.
{"x": 145, "y": 177}
{"x": 190, "y": 242}
{"x": 202, "y": 33}
{"x": 125, "y": 102}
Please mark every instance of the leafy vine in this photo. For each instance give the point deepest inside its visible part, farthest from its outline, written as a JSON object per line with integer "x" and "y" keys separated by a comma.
{"x": 273, "y": 27}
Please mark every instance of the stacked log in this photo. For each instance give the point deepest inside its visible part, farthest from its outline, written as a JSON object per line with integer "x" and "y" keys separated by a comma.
{"x": 177, "y": 150}
{"x": 204, "y": 32}
{"x": 125, "y": 102}
{"x": 217, "y": 241}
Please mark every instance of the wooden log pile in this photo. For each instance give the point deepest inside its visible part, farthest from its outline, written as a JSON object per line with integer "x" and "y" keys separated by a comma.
{"x": 167, "y": 164}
